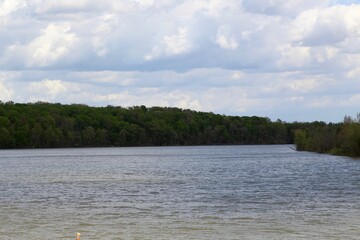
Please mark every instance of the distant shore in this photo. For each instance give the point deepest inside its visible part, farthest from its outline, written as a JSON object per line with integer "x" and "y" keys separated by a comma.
{"x": 46, "y": 125}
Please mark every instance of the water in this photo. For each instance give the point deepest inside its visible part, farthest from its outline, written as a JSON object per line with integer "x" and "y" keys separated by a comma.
{"x": 217, "y": 192}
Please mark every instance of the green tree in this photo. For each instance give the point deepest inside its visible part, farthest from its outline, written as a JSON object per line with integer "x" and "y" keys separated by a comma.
{"x": 300, "y": 139}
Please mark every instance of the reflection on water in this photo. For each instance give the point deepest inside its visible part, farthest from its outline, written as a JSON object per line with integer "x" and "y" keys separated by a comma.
{"x": 217, "y": 192}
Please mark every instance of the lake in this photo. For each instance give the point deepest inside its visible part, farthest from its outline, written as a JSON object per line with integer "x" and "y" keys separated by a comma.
{"x": 207, "y": 192}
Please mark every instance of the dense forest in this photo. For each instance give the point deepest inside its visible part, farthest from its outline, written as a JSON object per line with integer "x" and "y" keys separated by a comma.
{"x": 46, "y": 125}
{"x": 339, "y": 139}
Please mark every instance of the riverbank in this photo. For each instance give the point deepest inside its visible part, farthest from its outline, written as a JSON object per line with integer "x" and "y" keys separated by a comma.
{"x": 337, "y": 139}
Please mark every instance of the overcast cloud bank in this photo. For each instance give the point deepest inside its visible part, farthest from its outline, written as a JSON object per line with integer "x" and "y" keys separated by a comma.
{"x": 293, "y": 60}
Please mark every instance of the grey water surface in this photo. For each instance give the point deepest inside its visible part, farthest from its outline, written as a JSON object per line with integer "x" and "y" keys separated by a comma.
{"x": 207, "y": 192}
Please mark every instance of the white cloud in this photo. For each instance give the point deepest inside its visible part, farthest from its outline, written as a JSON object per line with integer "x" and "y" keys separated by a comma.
{"x": 183, "y": 100}
{"x": 144, "y": 3}
{"x": 353, "y": 100}
{"x": 293, "y": 56}
{"x": 45, "y": 6}
{"x": 127, "y": 34}
{"x": 237, "y": 75}
{"x": 281, "y": 7}
{"x": 210, "y": 8}
{"x": 6, "y": 93}
{"x": 235, "y": 99}
{"x": 56, "y": 43}
{"x": 226, "y": 43}
{"x": 175, "y": 44}
{"x": 51, "y": 88}
{"x": 104, "y": 28}
{"x": 272, "y": 94}
{"x": 9, "y": 6}
{"x": 297, "y": 99}
{"x": 325, "y": 54}
{"x": 326, "y": 26}
{"x": 353, "y": 73}
{"x": 322, "y": 102}
{"x": 227, "y": 56}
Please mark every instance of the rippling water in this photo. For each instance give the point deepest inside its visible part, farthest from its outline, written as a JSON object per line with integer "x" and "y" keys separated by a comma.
{"x": 217, "y": 192}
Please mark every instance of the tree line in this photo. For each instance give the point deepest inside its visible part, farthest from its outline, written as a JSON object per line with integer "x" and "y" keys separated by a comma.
{"x": 54, "y": 125}
{"x": 48, "y": 125}
{"x": 338, "y": 139}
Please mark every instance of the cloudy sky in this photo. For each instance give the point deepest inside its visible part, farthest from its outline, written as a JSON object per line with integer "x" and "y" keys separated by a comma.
{"x": 296, "y": 60}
